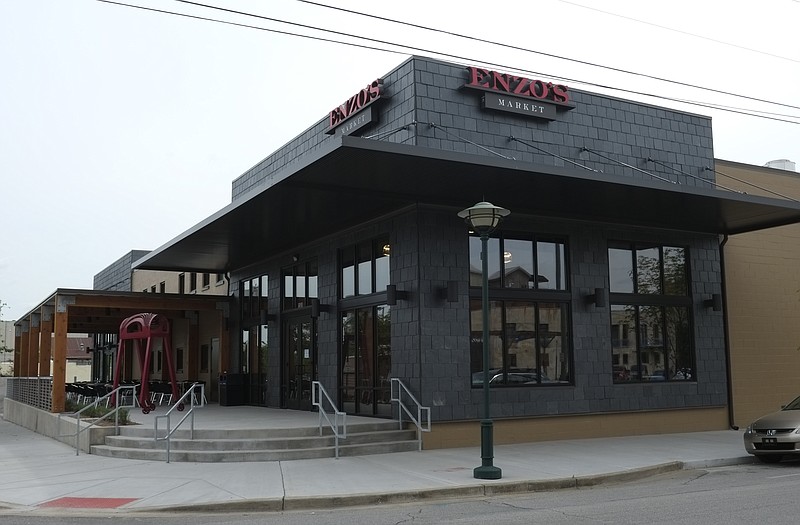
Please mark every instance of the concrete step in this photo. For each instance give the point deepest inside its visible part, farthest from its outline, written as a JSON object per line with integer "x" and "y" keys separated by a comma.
{"x": 259, "y": 443}
{"x": 252, "y": 433}
{"x": 241, "y": 455}
{"x": 380, "y": 437}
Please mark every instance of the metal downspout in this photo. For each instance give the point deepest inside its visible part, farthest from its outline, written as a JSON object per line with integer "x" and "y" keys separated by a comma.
{"x": 726, "y": 335}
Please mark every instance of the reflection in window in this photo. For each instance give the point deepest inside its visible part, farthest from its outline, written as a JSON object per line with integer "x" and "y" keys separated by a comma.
{"x": 650, "y": 334}
{"x": 527, "y": 263}
{"x": 300, "y": 285}
{"x": 620, "y": 268}
{"x": 365, "y": 268}
{"x": 366, "y": 360}
{"x": 528, "y": 343}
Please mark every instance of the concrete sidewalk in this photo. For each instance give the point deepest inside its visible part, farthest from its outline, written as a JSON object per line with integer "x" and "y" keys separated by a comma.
{"x": 40, "y": 474}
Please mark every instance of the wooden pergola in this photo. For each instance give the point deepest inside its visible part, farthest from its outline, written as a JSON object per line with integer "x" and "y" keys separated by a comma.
{"x": 41, "y": 334}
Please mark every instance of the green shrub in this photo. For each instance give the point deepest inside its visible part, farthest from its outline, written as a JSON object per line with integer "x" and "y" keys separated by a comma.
{"x": 97, "y": 411}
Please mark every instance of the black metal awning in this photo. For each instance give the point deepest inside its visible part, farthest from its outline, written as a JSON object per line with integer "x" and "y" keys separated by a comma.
{"x": 352, "y": 180}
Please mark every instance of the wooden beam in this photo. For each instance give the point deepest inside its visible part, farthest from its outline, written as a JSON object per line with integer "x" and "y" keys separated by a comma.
{"x": 46, "y": 345}
{"x": 33, "y": 349}
{"x": 60, "y": 360}
{"x": 21, "y": 355}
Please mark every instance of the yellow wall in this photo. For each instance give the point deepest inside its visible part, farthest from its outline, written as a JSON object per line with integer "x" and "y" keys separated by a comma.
{"x": 508, "y": 431}
{"x": 762, "y": 277}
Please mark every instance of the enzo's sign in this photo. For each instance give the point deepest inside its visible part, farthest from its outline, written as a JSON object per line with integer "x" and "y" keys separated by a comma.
{"x": 486, "y": 80}
{"x": 355, "y": 104}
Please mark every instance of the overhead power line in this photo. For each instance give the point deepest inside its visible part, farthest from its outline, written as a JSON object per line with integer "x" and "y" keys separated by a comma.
{"x": 542, "y": 53}
{"x": 687, "y": 33}
{"x": 752, "y": 113}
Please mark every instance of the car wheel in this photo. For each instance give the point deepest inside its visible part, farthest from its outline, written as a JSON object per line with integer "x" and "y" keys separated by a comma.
{"x": 773, "y": 458}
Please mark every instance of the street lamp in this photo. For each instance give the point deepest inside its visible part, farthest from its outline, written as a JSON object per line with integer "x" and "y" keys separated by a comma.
{"x": 483, "y": 218}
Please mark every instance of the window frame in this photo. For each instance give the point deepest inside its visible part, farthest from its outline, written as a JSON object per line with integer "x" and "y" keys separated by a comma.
{"x": 664, "y": 302}
{"x": 535, "y": 295}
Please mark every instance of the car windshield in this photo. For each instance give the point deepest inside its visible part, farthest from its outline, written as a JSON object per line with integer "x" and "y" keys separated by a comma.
{"x": 794, "y": 405}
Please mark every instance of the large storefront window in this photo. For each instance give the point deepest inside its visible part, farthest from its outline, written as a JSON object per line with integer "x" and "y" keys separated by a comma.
{"x": 650, "y": 313}
{"x": 529, "y": 332}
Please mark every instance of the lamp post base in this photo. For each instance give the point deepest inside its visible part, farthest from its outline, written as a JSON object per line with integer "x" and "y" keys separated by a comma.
{"x": 487, "y": 470}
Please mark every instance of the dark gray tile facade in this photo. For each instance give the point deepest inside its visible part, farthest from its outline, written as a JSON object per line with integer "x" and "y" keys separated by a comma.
{"x": 430, "y": 336}
{"x": 117, "y": 275}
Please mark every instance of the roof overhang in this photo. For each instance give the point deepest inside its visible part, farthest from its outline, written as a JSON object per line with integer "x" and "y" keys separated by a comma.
{"x": 352, "y": 180}
{"x": 102, "y": 311}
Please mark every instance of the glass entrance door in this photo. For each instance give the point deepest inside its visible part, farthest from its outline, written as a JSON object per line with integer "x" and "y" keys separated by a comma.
{"x": 366, "y": 361}
{"x": 299, "y": 349}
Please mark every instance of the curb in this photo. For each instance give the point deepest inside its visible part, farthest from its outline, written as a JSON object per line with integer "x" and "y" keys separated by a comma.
{"x": 464, "y": 491}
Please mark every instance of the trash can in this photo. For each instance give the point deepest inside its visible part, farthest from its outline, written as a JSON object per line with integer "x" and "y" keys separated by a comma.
{"x": 232, "y": 389}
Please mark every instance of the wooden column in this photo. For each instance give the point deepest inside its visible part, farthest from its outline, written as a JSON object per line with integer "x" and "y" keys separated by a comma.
{"x": 21, "y": 354}
{"x": 45, "y": 340}
{"x": 60, "y": 355}
{"x": 33, "y": 348}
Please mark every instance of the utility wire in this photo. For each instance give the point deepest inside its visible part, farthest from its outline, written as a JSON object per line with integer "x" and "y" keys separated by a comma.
{"x": 458, "y": 57}
{"x": 680, "y": 31}
{"x": 542, "y": 150}
{"x": 276, "y": 31}
{"x": 528, "y": 50}
{"x": 628, "y": 165}
{"x": 701, "y": 179}
{"x": 711, "y": 106}
{"x": 751, "y": 184}
{"x": 459, "y": 137}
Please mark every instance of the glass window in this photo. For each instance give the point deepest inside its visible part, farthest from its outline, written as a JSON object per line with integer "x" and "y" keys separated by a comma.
{"x": 527, "y": 263}
{"x": 381, "y": 256}
{"x": 348, "y": 272}
{"x": 528, "y": 343}
{"x": 620, "y": 269}
{"x": 300, "y": 284}
{"x": 675, "y": 280}
{"x": 648, "y": 271}
{"x": 365, "y": 268}
{"x": 651, "y": 334}
{"x": 518, "y": 263}
{"x": 551, "y": 273}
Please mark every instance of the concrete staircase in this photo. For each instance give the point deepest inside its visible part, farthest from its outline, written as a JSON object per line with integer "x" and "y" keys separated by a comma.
{"x": 274, "y": 444}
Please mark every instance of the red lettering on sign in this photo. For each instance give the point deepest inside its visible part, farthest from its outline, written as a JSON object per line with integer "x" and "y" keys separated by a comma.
{"x": 480, "y": 78}
{"x": 356, "y": 103}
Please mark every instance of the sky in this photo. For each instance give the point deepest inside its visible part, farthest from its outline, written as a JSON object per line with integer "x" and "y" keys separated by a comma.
{"x": 120, "y": 128}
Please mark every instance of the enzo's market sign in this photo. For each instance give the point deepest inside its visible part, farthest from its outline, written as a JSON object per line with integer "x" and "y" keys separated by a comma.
{"x": 531, "y": 97}
{"x": 353, "y": 106}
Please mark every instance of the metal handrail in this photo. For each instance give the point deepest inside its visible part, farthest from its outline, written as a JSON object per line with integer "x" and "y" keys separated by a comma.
{"x": 318, "y": 401}
{"x": 403, "y": 408}
{"x": 95, "y": 404}
{"x": 179, "y": 405}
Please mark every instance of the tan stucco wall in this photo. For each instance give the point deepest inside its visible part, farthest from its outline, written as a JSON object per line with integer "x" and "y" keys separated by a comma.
{"x": 762, "y": 277}
{"x": 508, "y": 431}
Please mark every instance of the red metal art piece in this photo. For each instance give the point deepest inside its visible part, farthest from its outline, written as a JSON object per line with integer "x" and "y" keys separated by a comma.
{"x": 142, "y": 329}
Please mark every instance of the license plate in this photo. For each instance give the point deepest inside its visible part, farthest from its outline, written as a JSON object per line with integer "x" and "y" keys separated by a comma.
{"x": 769, "y": 441}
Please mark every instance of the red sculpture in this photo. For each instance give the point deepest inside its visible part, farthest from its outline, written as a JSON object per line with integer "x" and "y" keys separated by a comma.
{"x": 142, "y": 329}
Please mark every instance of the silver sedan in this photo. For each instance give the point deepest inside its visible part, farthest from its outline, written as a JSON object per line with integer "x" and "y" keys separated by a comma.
{"x": 775, "y": 435}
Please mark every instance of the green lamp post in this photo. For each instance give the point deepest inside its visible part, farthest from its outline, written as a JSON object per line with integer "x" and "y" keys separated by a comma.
{"x": 483, "y": 218}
